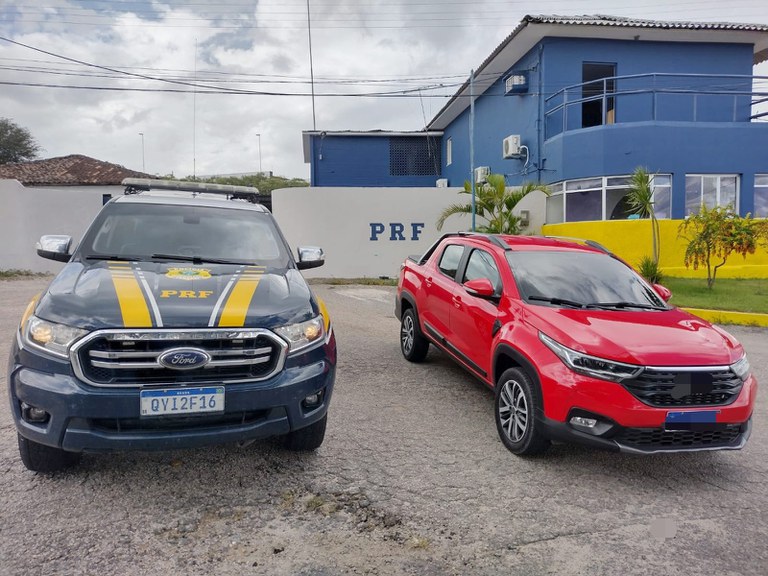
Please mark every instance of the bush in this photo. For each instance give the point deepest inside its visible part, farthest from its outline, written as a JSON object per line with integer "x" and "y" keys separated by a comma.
{"x": 650, "y": 270}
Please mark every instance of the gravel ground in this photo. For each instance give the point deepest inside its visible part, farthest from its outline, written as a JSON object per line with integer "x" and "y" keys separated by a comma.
{"x": 412, "y": 479}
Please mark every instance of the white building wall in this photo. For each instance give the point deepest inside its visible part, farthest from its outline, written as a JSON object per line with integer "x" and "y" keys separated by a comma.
{"x": 365, "y": 232}
{"x": 368, "y": 232}
{"x": 28, "y": 213}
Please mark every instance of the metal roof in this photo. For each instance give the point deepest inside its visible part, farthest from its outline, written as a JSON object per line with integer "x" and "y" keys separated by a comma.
{"x": 533, "y": 28}
{"x": 603, "y": 20}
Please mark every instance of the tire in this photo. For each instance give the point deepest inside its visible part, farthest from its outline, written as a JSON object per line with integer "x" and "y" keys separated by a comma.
{"x": 517, "y": 402}
{"x": 306, "y": 439}
{"x": 46, "y": 459}
{"x": 413, "y": 344}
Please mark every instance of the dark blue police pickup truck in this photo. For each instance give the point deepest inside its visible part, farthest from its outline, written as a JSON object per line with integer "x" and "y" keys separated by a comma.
{"x": 180, "y": 320}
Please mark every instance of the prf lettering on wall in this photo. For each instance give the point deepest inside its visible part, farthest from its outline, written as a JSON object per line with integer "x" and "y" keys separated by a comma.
{"x": 397, "y": 231}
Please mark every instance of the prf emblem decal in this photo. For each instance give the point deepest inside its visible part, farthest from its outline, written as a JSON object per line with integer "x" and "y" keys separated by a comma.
{"x": 188, "y": 273}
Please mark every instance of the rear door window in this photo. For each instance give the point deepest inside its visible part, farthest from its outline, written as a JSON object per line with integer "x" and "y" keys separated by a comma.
{"x": 450, "y": 259}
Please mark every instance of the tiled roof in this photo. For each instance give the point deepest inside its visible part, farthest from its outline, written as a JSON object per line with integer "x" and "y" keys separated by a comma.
{"x": 601, "y": 20}
{"x": 73, "y": 170}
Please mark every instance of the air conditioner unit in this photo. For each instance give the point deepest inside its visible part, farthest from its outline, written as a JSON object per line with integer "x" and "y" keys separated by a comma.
{"x": 481, "y": 174}
{"x": 511, "y": 148}
{"x": 442, "y": 183}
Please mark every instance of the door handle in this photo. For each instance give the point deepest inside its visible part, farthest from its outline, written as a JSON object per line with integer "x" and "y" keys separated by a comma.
{"x": 457, "y": 302}
{"x": 428, "y": 281}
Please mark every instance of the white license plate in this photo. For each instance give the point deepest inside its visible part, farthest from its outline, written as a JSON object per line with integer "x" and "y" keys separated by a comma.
{"x": 162, "y": 402}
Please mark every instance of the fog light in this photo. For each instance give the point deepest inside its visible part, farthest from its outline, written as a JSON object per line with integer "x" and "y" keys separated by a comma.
{"x": 33, "y": 415}
{"x": 313, "y": 400}
{"x": 583, "y": 422}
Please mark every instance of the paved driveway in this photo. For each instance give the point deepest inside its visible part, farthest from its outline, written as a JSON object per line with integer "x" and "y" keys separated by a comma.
{"x": 411, "y": 479}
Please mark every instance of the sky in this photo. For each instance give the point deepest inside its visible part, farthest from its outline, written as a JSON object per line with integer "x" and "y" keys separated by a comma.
{"x": 208, "y": 87}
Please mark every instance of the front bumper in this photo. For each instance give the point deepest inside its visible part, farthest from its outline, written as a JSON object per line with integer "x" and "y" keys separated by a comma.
{"x": 85, "y": 418}
{"x": 655, "y": 440}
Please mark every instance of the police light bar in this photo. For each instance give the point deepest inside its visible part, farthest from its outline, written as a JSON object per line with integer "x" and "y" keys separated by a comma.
{"x": 136, "y": 185}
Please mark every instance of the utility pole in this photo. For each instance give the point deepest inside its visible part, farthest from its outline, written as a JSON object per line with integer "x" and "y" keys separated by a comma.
{"x": 472, "y": 142}
{"x": 143, "y": 166}
{"x": 311, "y": 68}
{"x": 260, "y": 170}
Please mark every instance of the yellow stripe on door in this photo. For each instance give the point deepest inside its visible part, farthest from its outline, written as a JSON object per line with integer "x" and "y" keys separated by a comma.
{"x": 133, "y": 305}
{"x": 236, "y": 309}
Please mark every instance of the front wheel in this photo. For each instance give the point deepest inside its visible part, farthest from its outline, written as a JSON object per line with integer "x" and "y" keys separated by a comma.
{"x": 517, "y": 402}
{"x": 46, "y": 459}
{"x": 413, "y": 344}
{"x": 306, "y": 439}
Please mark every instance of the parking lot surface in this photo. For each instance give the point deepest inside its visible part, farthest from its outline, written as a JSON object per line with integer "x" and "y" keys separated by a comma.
{"x": 412, "y": 479}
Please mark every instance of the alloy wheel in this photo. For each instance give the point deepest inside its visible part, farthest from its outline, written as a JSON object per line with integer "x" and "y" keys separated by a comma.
{"x": 513, "y": 410}
{"x": 406, "y": 334}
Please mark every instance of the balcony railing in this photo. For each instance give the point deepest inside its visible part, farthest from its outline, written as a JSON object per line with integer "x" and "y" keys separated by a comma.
{"x": 657, "y": 97}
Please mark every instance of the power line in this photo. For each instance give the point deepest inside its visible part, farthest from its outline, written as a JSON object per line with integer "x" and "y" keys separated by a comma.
{"x": 394, "y": 94}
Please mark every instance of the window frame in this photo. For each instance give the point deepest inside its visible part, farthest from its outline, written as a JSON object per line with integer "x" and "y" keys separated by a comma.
{"x": 560, "y": 189}
{"x": 763, "y": 188}
{"x": 719, "y": 177}
{"x": 448, "y": 151}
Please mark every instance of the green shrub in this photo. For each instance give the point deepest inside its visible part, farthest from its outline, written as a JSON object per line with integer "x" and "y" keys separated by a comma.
{"x": 649, "y": 269}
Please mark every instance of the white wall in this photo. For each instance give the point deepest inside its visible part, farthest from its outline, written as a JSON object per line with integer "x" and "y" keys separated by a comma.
{"x": 28, "y": 213}
{"x": 337, "y": 219}
{"x": 343, "y": 221}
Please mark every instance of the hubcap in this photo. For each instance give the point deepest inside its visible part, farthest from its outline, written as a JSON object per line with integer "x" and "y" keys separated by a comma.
{"x": 406, "y": 334}
{"x": 513, "y": 410}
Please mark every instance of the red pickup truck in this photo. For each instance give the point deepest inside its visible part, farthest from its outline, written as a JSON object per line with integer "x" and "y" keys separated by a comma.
{"x": 576, "y": 345}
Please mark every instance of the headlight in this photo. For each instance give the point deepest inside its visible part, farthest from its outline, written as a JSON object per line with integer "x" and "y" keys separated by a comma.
{"x": 304, "y": 334}
{"x": 591, "y": 365}
{"x": 52, "y": 337}
{"x": 742, "y": 368}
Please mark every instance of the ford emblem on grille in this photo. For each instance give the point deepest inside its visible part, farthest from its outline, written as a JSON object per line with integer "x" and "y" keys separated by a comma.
{"x": 184, "y": 358}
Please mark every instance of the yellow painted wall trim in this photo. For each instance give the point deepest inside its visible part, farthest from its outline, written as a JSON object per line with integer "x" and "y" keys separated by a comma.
{"x": 631, "y": 240}
{"x": 726, "y": 317}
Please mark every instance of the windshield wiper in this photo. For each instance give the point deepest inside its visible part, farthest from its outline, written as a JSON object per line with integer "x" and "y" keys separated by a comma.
{"x": 196, "y": 259}
{"x": 626, "y": 305}
{"x": 558, "y": 301}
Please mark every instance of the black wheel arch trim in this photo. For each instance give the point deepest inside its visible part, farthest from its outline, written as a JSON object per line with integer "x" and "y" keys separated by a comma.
{"x": 522, "y": 360}
{"x": 408, "y": 297}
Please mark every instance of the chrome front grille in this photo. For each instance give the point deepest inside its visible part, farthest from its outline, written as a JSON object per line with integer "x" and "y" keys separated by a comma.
{"x": 130, "y": 358}
{"x": 716, "y": 386}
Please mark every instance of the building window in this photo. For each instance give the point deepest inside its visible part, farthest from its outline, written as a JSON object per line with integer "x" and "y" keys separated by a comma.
{"x": 598, "y": 82}
{"x": 584, "y": 200}
{"x": 711, "y": 190}
{"x": 448, "y": 152}
{"x": 662, "y": 195}
{"x": 761, "y": 196}
{"x": 414, "y": 156}
{"x": 603, "y": 198}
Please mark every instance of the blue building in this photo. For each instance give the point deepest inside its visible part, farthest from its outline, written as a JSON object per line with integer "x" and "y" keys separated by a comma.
{"x": 578, "y": 103}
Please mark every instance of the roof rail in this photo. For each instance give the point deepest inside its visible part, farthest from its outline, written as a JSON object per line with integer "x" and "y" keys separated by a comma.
{"x": 492, "y": 238}
{"x": 137, "y": 185}
{"x": 590, "y": 243}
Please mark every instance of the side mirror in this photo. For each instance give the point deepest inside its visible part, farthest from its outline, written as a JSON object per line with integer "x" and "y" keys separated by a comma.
{"x": 480, "y": 287}
{"x": 55, "y": 247}
{"x": 663, "y": 291}
{"x": 310, "y": 257}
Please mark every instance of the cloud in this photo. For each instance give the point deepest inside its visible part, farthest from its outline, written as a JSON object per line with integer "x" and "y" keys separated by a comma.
{"x": 357, "y": 48}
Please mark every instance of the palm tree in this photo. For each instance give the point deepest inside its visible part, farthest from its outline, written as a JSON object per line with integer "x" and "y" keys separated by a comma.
{"x": 640, "y": 201}
{"x": 494, "y": 202}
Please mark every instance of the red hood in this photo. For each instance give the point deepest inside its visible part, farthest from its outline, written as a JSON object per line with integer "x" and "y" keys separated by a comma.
{"x": 648, "y": 338}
